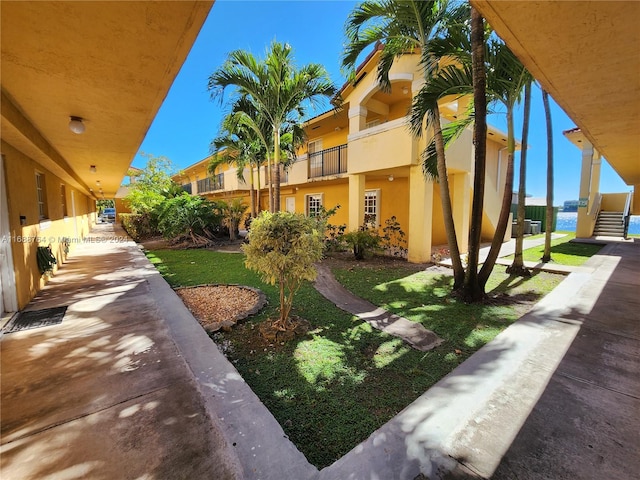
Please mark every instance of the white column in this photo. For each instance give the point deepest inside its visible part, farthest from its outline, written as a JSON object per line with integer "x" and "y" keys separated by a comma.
{"x": 357, "y": 119}
{"x": 589, "y": 187}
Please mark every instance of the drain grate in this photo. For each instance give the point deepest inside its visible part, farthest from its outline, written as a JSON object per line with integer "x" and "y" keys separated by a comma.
{"x": 36, "y": 319}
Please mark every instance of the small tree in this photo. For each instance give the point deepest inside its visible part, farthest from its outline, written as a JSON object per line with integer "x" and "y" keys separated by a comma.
{"x": 283, "y": 247}
{"x": 232, "y": 214}
{"x": 152, "y": 186}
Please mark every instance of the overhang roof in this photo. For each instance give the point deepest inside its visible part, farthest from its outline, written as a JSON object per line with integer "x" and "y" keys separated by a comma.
{"x": 587, "y": 56}
{"x": 111, "y": 63}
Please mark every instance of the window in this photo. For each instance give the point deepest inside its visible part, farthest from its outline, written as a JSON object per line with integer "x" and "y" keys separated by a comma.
{"x": 63, "y": 200}
{"x": 371, "y": 201}
{"x": 41, "y": 190}
{"x": 314, "y": 204}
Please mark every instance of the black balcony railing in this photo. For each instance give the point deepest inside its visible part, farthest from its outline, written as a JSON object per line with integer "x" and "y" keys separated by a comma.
{"x": 187, "y": 188}
{"x": 210, "y": 184}
{"x": 328, "y": 162}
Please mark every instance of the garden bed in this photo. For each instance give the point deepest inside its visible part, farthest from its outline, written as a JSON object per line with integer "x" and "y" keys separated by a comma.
{"x": 331, "y": 388}
{"x": 221, "y": 306}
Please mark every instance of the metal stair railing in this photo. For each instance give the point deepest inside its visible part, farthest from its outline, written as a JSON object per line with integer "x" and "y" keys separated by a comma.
{"x": 626, "y": 213}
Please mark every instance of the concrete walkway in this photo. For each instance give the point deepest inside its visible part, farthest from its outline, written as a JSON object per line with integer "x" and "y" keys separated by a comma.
{"x": 509, "y": 248}
{"x": 106, "y": 393}
{"x": 411, "y": 332}
{"x": 130, "y": 386}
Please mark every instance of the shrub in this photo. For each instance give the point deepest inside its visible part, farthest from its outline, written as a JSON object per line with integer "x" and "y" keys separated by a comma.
{"x": 362, "y": 241}
{"x": 188, "y": 216}
{"x": 139, "y": 226}
{"x": 393, "y": 239}
{"x": 283, "y": 247}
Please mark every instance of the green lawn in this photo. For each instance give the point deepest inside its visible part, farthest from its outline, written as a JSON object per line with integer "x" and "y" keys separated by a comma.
{"x": 332, "y": 388}
{"x": 563, "y": 251}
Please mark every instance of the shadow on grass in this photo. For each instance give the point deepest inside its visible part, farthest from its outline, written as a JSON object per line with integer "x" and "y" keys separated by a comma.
{"x": 576, "y": 249}
{"x": 333, "y": 387}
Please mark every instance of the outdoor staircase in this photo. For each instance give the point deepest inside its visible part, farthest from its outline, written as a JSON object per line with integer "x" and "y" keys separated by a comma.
{"x": 610, "y": 224}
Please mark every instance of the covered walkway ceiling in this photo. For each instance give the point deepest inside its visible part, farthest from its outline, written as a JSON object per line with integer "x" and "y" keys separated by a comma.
{"x": 111, "y": 63}
{"x": 586, "y": 54}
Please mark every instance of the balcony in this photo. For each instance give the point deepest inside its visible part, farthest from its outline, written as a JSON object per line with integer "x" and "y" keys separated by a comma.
{"x": 330, "y": 161}
{"x": 384, "y": 146}
{"x": 211, "y": 184}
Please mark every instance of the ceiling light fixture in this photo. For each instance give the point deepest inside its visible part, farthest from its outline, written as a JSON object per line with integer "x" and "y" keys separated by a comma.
{"x": 93, "y": 169}
{"x": 76, "y": 125}
{"x": 391, "y": 178}
{"x": 405, "y": 90}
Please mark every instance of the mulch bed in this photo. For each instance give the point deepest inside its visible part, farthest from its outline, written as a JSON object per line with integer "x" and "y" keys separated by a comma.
{"x": 220, "y": 307}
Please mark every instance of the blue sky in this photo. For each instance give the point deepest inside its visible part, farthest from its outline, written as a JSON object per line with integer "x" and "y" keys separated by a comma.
{"x": 188, "y": 119}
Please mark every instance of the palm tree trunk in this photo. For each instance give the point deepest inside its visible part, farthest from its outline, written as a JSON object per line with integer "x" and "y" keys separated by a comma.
{"x": 276, "y": 169}
{"x": 258, "y": 189}
{"x": 252, "y": 192}
{"x": 517, "y": 267}
{"x": 501, "y": 226}
{"x": 546, "y": 257}
{"x": 471, "y": 288}
{"x": 447, "y": 211}
{"x": 269, "y": 179}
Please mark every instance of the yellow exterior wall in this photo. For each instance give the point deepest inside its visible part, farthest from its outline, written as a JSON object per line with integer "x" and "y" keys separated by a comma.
{"x": 399, "y": 109}
{"x": 393, "y": 198}
{"x": 121, "y": 207}
{"x": 390, "y": 148}
{"x": 438, "y": 234}
{"x": 20, "y": 172}
{"x": 613, "y": 202}
{"x": 329, "y": 140}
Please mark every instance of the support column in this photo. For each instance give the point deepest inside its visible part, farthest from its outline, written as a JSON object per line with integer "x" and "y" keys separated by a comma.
{"x": 420, "y": 216}
{"x": 589, "y": 187}
{"x": 461, "y": 206}
{"x": 357, "y": 119}
{"x": 356, "y": 201}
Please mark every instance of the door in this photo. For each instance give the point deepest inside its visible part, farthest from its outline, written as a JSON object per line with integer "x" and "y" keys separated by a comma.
{"x": 314, "y": 150}
{"x": 291, "y": 204}
{"x": 8, "y": 300}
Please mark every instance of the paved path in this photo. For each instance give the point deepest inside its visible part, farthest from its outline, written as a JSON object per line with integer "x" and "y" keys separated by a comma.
{"x": 130, "y": 386}
{"x": 509, "y": 248}
{"x": 411, "y": 332}
{"x": 105, "y": 394}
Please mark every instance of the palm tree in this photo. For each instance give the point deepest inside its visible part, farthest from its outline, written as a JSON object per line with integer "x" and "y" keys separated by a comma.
{"x": 405, "y": 26}
{"x": 505, "y": 83}
{"x": 235, "y": 146}
{"x": 275, "y": 88}
{"x": 472, "y": 290}
{"x": 517, "y": 267}
{"x": 246, "y": 125}
{"x": 503, "y": 79}
{"x": 546, "y": 256}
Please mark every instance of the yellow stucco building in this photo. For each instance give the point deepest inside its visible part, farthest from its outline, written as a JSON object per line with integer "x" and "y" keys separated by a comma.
{"x": 364, "y": 158}
{"x": 81, "y": 83}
